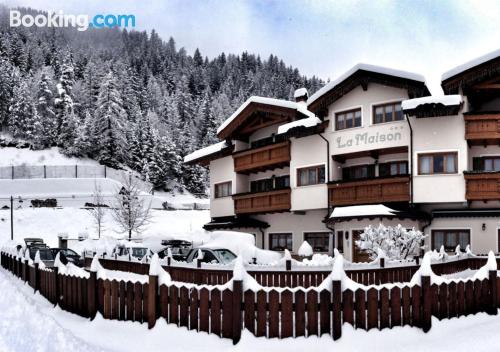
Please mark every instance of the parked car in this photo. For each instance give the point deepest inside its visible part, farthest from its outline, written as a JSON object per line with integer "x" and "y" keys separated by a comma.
{"x": 46, "y": 255}
{"x": 135, "y": 250}
{"x": 68, "y": 256}
{"x": 212, "y": 255}
{"x": 179, "y": 248}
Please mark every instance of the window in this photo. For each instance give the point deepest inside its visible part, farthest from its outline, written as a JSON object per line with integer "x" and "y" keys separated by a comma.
{"x": 486, "y": 163}
{"x": 223, "y": 189}
{"x": 319, "y": 241}
{"x": 348, "y": 119}
{"x": 280, "y": 241}
{"x": 438, "y": 163}
{"x": 358, "y": 172}
{"x": 450, "y": 239}
{"x": 311, "y": 175}
{"x": 270, "y": 184}
{"x": 393, "y": 168}
{"x": 387, "y": 113}
{"x": 340, "y": 241}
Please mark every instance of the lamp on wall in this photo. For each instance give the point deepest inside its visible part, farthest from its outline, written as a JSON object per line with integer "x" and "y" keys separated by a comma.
{"x": 484, "y": 226}
{"x": 346, "y": 235}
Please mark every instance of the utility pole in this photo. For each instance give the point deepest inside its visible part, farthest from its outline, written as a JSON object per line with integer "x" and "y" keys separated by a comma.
{"x": 11, "y": 218}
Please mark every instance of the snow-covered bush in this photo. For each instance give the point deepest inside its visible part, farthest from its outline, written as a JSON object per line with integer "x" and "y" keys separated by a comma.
{"x": 395, "y": 241}
{"x": 305, "y": 249}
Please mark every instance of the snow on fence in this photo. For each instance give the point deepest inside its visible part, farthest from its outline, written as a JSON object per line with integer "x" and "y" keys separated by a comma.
{"x": 292, "y": 276}
{"x": 224, "y": 310}
{"x": 67, "y": 171}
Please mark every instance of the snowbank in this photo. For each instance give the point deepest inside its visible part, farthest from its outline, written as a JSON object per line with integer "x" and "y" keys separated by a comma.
{"x": 52, "y": 156}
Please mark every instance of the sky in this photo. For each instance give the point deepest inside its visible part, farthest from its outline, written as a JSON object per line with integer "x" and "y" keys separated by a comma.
{"x": 319, "y": 37}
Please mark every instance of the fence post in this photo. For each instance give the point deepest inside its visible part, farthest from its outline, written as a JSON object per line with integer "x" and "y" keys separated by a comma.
{"x": 237, "y": 300}
{"x": 76, "y": 171}
{"x": 426, "y": 303}
{"x": 37, "y": 277}
{"x": 105, "y": 173}
{"x": 152, "y": 299}
{"x": 492, "y": 309}
{"x": 382, "y": 262}
{"x": 56, "y": 290}
{"x": 92, "y": 294}
{"x": 337, "y": 297}
{"x": 417, "y": 259}
{"x": 288, "y": 264}
{"x": 26, "y": 270}
{"x": 12, "y": 171}
{"x": 44, "y": 171}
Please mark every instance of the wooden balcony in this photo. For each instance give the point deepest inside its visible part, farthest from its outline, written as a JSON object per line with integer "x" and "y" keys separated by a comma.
{"x": 482, "y": 186}
{"x": 264, "y": 158}
{"x": 482, "y": 128}
{"x": 373, "y": 191}
{"x": 262, "y": 202}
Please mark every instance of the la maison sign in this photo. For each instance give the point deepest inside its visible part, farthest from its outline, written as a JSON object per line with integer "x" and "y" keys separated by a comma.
{"x": 367, "y": 138}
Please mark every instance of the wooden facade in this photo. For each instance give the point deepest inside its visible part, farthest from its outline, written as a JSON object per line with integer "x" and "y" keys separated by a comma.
{"x": 482, "y": 128}
{"x": 482, "y": 186}
{"x": 372, "y": 191}
{"x": 262, "y": 202}
{"x": 264, "y": 158}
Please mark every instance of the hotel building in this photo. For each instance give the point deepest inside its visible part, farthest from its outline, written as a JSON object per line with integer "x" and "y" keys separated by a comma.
{"x": 372, "y": 146}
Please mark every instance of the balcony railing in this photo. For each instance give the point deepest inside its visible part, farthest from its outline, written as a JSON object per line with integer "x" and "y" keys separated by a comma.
{"x": 264, "y": 158}
{"x": 482, "y": 186}
{"x": 262, "y": 202}
{"x": 482, "y": 127}
{"x": 372, "y": 191}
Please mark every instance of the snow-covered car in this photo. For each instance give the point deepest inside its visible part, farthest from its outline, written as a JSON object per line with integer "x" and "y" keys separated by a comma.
{"x": 46, "y": 255}
{"x": 179, "y": 249}
{"x": 135, "y": 250}
{"x": 68, "y": 256}
{"x": 212, "y": 255}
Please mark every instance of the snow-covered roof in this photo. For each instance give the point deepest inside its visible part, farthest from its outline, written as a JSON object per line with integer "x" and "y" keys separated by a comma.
{"x": 259, "y": 100}
{"x": 200, "y": 153}
{"x": 300, "y": 92}
{"x": 470, "y": 64}
{"x": 447, "y": 100}
{"x": 362, "y": 210}
{"x": 365, "y": 67}
{"x": 307, "y": 122}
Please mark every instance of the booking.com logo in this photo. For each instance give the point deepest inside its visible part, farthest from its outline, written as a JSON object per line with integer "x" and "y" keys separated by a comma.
{"x": 81, "y": 22}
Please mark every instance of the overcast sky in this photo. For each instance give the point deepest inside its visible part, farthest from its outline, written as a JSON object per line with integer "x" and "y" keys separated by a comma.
{"x": 323, "y": 38}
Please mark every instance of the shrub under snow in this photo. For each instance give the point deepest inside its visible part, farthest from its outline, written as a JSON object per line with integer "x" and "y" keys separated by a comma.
{"x": 395, "y": 241}
{"x": 305, "y": 249}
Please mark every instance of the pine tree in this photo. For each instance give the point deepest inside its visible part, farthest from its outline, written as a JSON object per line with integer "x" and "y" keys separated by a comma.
{"x": 21, "y": 119}
{"x": 110, "y": 124}
{"x": 47, "y": 131}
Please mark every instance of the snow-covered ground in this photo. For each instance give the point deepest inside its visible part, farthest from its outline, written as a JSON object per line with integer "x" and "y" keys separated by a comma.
{"x": 31, "y": 323}
{"x": 52, "y": 156}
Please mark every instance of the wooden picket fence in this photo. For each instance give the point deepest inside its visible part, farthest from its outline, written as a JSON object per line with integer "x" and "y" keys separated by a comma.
{"x": 271, "y": 312}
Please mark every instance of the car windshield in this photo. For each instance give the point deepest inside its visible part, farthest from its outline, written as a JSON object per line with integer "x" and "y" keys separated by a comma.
{"x": 226, "y": 255}
{"x": 45, "y": 253}
{"x": 139, "y": 252}
{"x": 70, "y": 252}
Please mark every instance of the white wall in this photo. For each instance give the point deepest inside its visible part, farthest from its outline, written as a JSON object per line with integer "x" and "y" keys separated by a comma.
{"x": 369, "y": 136}
{"x": 308, "y": 151}
{"x": 439, "y": 134}
{"x": 222, "y": 170}
{"x": 294, "y": 223}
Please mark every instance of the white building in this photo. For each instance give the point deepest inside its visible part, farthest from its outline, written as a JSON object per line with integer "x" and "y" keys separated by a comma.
{"x": 372, "y": 146}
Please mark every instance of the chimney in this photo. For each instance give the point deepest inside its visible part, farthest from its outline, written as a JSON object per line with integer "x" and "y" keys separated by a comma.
{"x": 301, "y": 95}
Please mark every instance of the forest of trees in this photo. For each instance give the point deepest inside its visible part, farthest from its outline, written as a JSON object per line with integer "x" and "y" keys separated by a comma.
{"x": 127, "y": 98}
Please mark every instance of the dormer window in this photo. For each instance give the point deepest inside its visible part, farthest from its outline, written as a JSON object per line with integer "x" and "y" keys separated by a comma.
{"x": 348, "y": 119}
